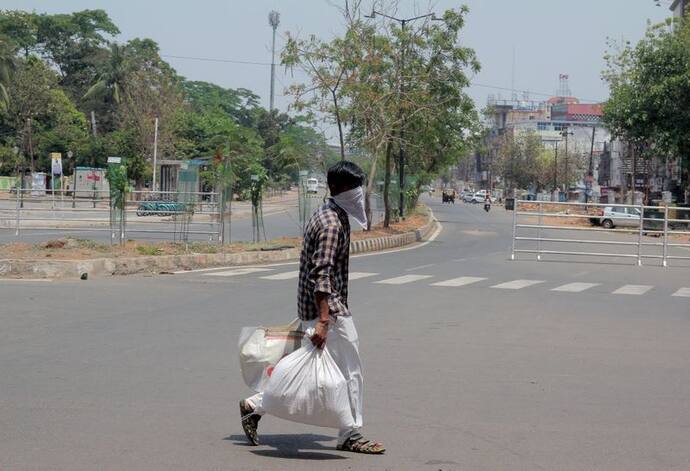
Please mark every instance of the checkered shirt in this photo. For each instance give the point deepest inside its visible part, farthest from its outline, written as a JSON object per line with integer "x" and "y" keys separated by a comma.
{"x": 324, "y": 262}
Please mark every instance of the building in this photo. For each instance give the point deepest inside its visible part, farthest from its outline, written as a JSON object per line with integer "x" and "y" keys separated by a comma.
{"x": 547, "y": 119}
{"x": 506, "y": 112}
{"x": 577, "y": 112}
{"x": 678, "y": 7}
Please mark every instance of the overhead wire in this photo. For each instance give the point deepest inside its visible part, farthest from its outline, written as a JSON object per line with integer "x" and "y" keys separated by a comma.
{"x": 472, "y": 83}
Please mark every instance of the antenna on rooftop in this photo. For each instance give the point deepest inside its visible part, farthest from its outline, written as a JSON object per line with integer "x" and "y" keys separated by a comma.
{"x": 563, "y": 86}
{"x": 512, "y": 82}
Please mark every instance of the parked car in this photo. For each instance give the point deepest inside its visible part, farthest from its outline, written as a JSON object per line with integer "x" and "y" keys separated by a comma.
{"x": 477, "y": 197}
{"x": 619, "y": 216}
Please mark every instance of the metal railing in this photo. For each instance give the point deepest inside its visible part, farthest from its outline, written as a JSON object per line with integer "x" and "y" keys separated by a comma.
{"x": 542, "y": 228}
{"x": 173, "y": 216}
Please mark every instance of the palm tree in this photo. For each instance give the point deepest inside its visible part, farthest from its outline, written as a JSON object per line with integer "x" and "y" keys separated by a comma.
{"x": 111, "y": 81}
{"x": 7, "y": 67}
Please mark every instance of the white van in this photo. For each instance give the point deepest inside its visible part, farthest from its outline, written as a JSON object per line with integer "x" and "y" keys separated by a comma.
{"x": 312, "y": 185}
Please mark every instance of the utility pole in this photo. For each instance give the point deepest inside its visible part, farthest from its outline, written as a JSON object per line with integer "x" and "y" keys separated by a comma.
{"x": 555, "y": 168}
{"x": 155, "y": 154}
{"x": 273, "y": 21}
{"x": 93, "y": 124}
{"x": 31, "y": 145}
{"x": 590, "y": 170}
{"x": 93, "y": 158}
{"x": 565, "y": 133}
{"x": 634, "y": 171}
{"x": 401, "y": 160}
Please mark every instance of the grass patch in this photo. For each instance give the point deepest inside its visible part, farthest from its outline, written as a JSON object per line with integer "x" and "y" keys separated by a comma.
{"x": 149, "y": 250}
{"x": 203, "y": 247}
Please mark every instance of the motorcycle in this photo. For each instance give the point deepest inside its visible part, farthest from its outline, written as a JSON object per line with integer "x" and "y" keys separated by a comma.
{"x": 487, "y": 206}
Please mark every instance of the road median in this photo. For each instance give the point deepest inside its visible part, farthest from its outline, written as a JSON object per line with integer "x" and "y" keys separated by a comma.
{"x": 74, "y": 258}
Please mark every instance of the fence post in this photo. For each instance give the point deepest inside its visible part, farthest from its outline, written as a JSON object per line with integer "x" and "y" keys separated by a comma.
{"x": 541, "y": 211}
{"x": 220, "y": 206}
{"x": 664, "y": 260}
{"x": 19, "y": 189}
{"x": 515, "y": 210}
{"x": 639, "y": 237}
{"x": 123, "y": 218}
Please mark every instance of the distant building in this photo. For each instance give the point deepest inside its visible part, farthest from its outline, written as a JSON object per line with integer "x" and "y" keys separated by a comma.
{"x": 506, "y": 112}
{"x": 678, "y": 7}
{"x": 577, "y": 112}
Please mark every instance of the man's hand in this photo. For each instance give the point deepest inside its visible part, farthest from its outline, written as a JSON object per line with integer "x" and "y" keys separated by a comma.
{"x": 321, "y": 331}
{"x": 319, "y": 337}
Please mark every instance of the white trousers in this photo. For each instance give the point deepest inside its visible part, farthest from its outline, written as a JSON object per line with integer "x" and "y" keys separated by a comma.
{"x": 342, "y": 343}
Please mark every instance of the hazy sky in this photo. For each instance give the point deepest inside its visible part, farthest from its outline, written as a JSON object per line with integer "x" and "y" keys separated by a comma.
{"x": 548, "y": 37}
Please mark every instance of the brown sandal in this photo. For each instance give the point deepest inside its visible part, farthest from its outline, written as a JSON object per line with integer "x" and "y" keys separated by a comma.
{"x": 362, "y": 445}
{"x": 250, "y": 422}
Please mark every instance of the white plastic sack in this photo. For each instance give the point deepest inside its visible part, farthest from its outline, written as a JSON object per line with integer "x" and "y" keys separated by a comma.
{"x": 261, "y": 348}
{"x": 308, "y": 387}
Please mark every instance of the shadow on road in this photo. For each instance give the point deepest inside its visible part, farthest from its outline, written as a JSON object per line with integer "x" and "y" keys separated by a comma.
{"x": 297, "y": 446}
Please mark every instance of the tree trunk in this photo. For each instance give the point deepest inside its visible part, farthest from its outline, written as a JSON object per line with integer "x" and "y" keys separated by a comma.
{"x": 386, "y": 185}
{"x": 370, "y": 187}
{"x": 340, "y": 126}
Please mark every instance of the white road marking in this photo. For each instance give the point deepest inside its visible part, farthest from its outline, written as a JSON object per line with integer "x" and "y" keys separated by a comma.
{"x": 575, "y": 287}
{"x": 360, "y": 274}
{"x": 31, "y": 280}
{"x": 420, "y": 267}
{"x": 238, "y": 271}
{"x": 282, "y": 276}
{"x": 462, "y": 281}
{"x": 683, "y": 293}
{"x": 401, "y": 280}
{"x": 517, "y": 284}
{"x": 635, "y": 290}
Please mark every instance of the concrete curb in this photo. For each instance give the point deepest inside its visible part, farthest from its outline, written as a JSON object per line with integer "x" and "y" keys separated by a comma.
{"x": 170, "y": 263}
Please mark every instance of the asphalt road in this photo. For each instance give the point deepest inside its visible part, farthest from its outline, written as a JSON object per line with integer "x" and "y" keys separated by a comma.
{"x": 472, "y": 362}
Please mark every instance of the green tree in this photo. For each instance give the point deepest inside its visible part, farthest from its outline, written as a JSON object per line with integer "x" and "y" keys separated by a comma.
{"x": 73, "y": 44}
{"x": 648, "y": 82}
{"x": 395, "y": 87}
{"x": 112, "y": 78}
{"x": 7, "y": 67}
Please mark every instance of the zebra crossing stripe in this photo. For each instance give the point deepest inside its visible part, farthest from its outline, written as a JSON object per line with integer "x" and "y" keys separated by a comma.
{"x": 360, "y": 274}
{"x": 634, "y": 290}
{"x": 517, "y": 284}
{"x": 575, "y": 287}
{"x": 456, "y": 282}
{"x": 237, "y": 272}
{"x": 282, "y": 276}
{"x": 401, "y": 280}
{"x": 682, "y": 293}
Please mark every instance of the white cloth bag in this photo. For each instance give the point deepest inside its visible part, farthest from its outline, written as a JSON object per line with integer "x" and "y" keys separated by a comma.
{"x": 308, "y": 387}
{"x": 261, "y": 348}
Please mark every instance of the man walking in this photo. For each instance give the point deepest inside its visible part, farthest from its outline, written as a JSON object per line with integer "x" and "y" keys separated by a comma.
{"x": 322, "y": 299}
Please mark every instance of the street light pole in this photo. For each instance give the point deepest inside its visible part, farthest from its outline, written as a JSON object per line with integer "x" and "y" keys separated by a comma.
{"x": 273, "y": 21}
{"x": 555, "y": 168}
{"x": 565, "y": 133}
{"x": 401, "y": 160}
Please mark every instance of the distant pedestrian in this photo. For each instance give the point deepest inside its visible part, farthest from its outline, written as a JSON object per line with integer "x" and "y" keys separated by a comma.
{"x": 322, "y": 299}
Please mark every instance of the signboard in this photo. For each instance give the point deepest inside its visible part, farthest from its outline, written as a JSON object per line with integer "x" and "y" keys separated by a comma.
{"x": 56, "y": 163}
{"x": 114, "y": 160}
